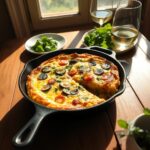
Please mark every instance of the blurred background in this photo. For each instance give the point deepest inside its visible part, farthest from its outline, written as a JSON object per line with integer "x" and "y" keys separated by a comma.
{"x": 19, "y": 18}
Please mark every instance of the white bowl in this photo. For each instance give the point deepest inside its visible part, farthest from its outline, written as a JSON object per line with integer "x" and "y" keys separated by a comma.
{"x": 31, "y": 41}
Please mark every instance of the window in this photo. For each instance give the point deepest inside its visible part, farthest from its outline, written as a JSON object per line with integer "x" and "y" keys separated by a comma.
{"x": 50, "y": 8}
{"x": 33, "y": 15}
{"x": 58, "y": 13}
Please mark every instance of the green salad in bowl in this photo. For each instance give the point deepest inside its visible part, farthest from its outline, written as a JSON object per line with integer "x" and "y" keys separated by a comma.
{"x": 99, "y": 37}
{"x": 45, "y": 43}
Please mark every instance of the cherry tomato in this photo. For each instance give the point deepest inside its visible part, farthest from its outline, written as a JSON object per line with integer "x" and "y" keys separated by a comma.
{"x": 88, "y": 77}
{"x": 63, "y": 62}
{"x": 85, "y": 104}
{"x": 39, "y": 68}
{"x": 72, "y": 72}
{"x": 113, "y": 67}
{"x": 75, "y": 102}
{"x": 51, "y": 81}
{"x": 108, "y": 77}
{"x": 60, "y": 98}
{"x": 36, "y": 71}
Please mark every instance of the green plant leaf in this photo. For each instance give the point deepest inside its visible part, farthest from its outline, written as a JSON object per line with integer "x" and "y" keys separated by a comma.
{"x": 100, "y": 37}
{"x": 146, "y": 111}
{"x": 123, "y": 124}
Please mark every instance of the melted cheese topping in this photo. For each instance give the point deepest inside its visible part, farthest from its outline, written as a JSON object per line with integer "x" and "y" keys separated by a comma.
{"x": 100, "y": 87}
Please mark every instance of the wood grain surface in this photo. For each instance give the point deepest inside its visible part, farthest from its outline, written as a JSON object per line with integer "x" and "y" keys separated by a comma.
{"x": 92, "y": 131}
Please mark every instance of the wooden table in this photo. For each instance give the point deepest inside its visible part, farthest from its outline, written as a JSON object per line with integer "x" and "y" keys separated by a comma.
{"x": 93, "y": 131}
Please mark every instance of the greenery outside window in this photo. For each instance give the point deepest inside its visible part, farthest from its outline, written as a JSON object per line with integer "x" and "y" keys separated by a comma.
{"x": 58, "y": 13}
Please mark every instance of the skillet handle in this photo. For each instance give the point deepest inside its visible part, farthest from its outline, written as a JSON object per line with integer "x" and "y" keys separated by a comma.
{"x": 25, "y": 136}
{"x": 126, "y": 66}
{"x": 107, "y": 51}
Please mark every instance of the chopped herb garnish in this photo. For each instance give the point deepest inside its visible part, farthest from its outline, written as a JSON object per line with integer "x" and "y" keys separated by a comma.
{"x": 69, "y": 67}
{"x": 58, "y": 80}
{"x": 55, "y": 90}
{"x": 85, "y": 98}
{"x": 53, "y": 67}
{"x": 98, "y": 78}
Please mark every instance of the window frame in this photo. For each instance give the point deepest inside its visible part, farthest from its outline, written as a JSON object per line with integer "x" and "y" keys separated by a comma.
{"x": 20, "y": 20}
{"x": 39, "y": 23}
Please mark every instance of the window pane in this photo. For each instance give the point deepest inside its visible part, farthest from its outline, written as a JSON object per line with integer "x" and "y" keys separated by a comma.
{"x": 123, "y": 2}
{"x": 105, "y": 4}
{"x": 50, "y": 8}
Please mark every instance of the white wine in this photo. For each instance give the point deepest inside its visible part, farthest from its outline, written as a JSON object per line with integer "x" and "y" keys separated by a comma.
{"x": 101, "y": 16}
{"x": 124, "y": 37}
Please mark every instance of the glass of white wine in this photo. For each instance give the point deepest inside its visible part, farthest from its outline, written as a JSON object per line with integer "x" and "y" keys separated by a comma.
{"x": 126, "y": 23}
{"x": 101, "y": 11}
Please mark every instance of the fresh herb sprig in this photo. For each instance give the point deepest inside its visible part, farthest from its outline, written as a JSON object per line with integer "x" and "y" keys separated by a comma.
{"x": 100, "y": 37}
{"x": 142, "y": 136}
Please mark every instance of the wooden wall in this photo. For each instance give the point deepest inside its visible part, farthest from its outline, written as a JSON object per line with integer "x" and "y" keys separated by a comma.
{"x": 145, "y": 25}
{"x": 6, "y": 29}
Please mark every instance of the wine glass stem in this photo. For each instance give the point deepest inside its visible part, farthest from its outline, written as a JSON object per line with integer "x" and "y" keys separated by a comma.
{"x": 101, "y": 23}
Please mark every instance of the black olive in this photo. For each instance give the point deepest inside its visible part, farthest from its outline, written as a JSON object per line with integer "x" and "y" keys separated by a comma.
{"x": 92, "y": 63}
{"x": 46, "y": 69}
{"x": 74, "y": 91}
{"x": 60, "y": 71}
{"x": 42, "y": 76}
{"x": 98, "y": 71}
{"x": 73, "y": 61}
{"x": 64, "y": 84}
{"x": 46, "y": 87}
{"x": 69, "y": 91}
{"x": 66, "y": 91}
{"x": 106, "y": 66}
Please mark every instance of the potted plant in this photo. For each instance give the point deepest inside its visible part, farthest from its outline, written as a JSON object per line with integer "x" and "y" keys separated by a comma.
{"x": 138, "y": 130}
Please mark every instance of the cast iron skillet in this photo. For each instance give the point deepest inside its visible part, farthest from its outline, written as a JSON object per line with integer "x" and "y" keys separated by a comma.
{"x": 22, "y": 139}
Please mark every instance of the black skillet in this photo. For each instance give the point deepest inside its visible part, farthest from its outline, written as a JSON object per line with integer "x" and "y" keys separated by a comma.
{"x": 23, "y": 139}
